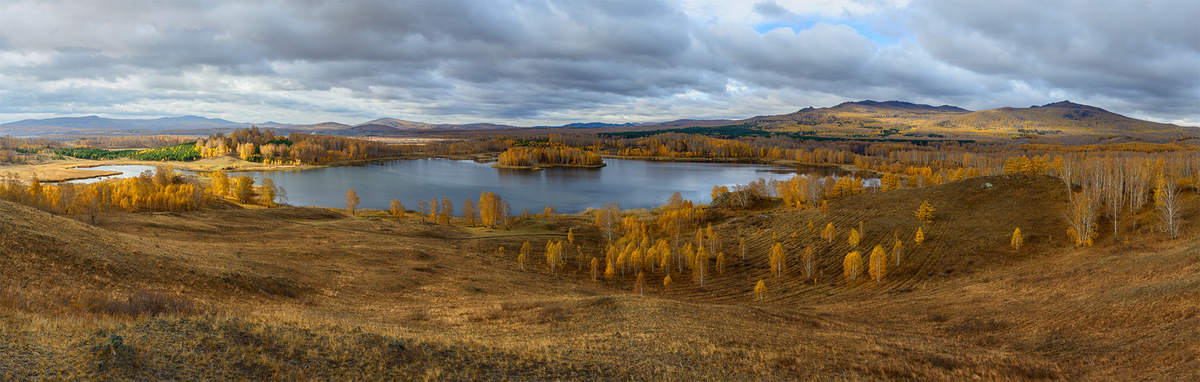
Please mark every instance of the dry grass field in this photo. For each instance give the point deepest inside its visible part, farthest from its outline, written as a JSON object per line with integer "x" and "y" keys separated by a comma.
{"x": 313, "y": 294}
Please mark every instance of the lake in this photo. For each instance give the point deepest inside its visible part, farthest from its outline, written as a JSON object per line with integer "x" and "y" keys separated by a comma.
{"x": 127, "y": 171}
{"x": 632, "y": 183}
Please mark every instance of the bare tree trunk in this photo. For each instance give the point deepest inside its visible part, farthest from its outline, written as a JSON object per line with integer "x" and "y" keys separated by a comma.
{"x": 1168, "y": 207}
{"x": 1113, "y": 191}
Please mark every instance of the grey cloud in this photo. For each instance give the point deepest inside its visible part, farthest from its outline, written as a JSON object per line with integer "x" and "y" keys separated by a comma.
{"x": 772, "y": 10}
{"x": 527, "y": 60}
{"x": 1145, "y": 50}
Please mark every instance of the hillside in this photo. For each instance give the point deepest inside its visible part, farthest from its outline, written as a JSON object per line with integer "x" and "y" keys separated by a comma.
{"x": 1066, "y": 119}
{"x": 1060, "y": 122}
{"x": 302, "y": 293}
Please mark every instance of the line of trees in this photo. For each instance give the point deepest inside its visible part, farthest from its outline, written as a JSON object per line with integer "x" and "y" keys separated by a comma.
{"x": 160, "y": 190}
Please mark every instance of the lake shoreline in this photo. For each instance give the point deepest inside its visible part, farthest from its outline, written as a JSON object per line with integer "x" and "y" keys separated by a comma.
{"x": 71, "y": 169}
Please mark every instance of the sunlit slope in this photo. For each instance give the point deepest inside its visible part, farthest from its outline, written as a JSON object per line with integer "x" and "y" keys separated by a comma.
{"x": 1064, "y": 119}
{"x": 1061, "y": 122}
{"x": 43, "y": 250}
{"x": 972, "y": 227}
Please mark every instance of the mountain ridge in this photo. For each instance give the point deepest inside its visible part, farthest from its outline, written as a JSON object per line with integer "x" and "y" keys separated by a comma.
{"x": 854, "y": 119}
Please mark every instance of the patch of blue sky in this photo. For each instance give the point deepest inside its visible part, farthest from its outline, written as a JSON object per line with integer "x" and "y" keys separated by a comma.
{"x": 882, "y": 33}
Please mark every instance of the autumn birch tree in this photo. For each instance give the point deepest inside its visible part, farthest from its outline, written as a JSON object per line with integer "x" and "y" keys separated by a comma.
{"x": 351, "y": 200}
{"x": 595, "y": 268}
{"x": 852, "y": 266}
{"x": 1017, "y": 240}
{"x": 397, "y": 209}
{"x": 524, "y": 255}
{"x": 808, "y": 262}
{"x": 1081, "y": 218}
{"x": 878, "y": 262}
{"x": 469, "y": 212}
{"x": 608, "y": 219}
{"x": 777, "y": 259}
{"x": 269, "y": 192}
{"x": 1167, "y": 204}
{"x": 897, "y": 251}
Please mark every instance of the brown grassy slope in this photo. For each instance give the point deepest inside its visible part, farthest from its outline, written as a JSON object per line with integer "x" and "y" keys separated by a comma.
{"x": 318, "y": 295}
{"x": 971, "y": 230}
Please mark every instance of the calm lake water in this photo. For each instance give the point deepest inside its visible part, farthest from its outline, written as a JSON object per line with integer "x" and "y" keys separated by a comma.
{"x": 127, "y": 171}
{"x": 632, "y": 183}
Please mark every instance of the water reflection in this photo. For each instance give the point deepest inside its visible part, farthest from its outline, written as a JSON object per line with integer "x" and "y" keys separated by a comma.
{"x": 633, "y": 183}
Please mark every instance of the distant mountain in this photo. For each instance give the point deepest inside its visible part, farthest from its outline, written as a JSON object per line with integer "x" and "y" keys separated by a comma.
{"x": 399, "y": 124}
{"x": 595, "y": 125}
{"x": 318, "y": 126}
{"x": 1065, "y": 118}
{"x": 1064, "y": 122}
{"x": 99, "y": 123}
{"x": 371, "y": 128}
{"x": 95, "y": 123}
{"x": 403, "y": 125}
{"x": 688, "y": 123}
{"x": 896, "y": 105}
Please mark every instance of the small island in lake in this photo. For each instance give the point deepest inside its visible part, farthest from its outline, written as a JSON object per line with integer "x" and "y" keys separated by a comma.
{"x": 538, "y": 158}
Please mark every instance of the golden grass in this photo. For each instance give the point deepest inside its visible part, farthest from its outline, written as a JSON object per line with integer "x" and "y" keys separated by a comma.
{"x": 310, "y": 294}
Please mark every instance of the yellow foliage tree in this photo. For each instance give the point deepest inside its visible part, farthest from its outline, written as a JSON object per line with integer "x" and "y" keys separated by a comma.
{"x": 269, "y": 191}
{"x": 854, "y": 238}
{"x": 397, "y": 209}
{"x": 890, "y": 182}
{"x": 667, "y": 282}
{"x": 878, "y": 262}
{"x": 244, "y": 189}
{"x": 610, "y": 269}
{"x": 553, "y": 255}
{"x": 639, "y": 286}
{"x": 721, "y": 262}
{"x": 524, "y": 255}
{"x": 897, "y": 251}
{"x": 828, "y": 234}
{"x": 1017, "y": 240}
{"x": 777, "y": 259}
{"x": 220, "y": 183}
{"x": 351, "y": 201}
{"x": 595, "y": 268}
{"x": 761, "y": 290}
{"x": 925, "y": 212}
{"x": 852, "y": 266}
{"x": 808, "y": 262}
{"x": 920, "y": 238}
{"x": 700, "y": 268}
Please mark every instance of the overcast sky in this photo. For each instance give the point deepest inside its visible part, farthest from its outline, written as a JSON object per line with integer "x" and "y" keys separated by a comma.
{"x": 543, "y": 62}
